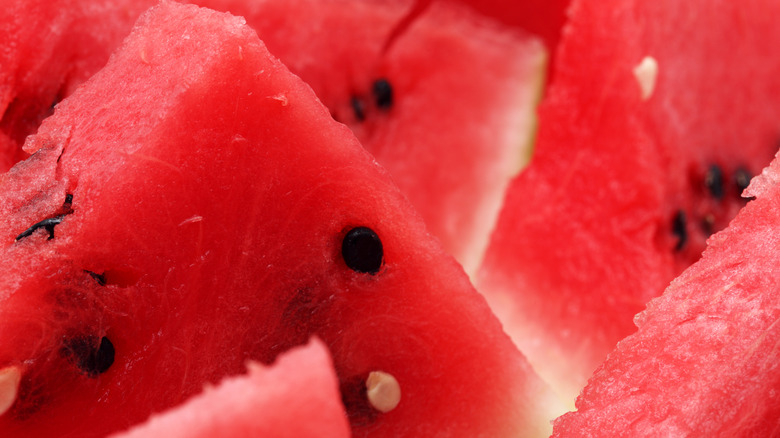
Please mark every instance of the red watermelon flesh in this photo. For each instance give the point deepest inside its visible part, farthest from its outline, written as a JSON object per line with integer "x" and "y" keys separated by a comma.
{"x": 446, "y": 103}
{"x": 47, "y": 49}
{"x": 545, "y": 18}
{"x": 186, "y": 210}
{"x": 623, "y": 189}
{"x": 297, "y": 397}
{"x": 452, "y": 140}
{"x": 705, "y": 359}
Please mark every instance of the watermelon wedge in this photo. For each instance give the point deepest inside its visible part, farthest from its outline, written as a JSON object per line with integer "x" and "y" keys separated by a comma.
{"x": 194, "y": 206}
{"x": 445, "y": 102}
{"x": 47, "y": 49}
{"x": 704, "y": 361}
{"x": 657, "y": 116}
{"x": 298, "y": 397}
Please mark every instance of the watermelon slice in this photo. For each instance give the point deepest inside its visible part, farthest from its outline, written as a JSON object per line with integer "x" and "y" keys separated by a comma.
{"x": 296, "y": 398}
{"x": 194, "y": 206}
{"x": 47, "y": 49}
{"x": 705, "y": 359}
{"x": 446, "y": 104}
{"x": 657, "y": 116}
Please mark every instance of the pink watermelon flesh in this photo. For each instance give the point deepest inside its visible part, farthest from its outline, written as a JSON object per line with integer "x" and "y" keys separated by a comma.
{"x": 186, "y": 211}
{"x": 47, "y": 49}
{"x": 297, "y": 397}
{"x": 622, "y": 191}
{"x": 704, "y": 361}
{"x": 447, "y": 105}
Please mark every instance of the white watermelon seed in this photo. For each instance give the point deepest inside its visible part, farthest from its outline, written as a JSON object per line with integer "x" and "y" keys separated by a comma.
{"x": 9, "y": 387}
{"x": 646, "y": 73}
{"x": 383, "y": 391}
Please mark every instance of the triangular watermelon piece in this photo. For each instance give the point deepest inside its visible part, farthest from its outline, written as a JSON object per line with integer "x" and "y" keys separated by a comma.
{"x": 705, "y": 359}
{"x": 658, "y": 114}
{"x": 47, "y": 49}
{"x": 194, "y": 206}
{"x": 298, "y": 397}
{"x": 445, "y": 102}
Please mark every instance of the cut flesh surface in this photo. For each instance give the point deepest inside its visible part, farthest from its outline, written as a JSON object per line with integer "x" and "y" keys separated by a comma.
{"x": 704, "y": 361}
{"x": 186, "y": 210}
{"x": 446, "y": 104}
{"x": 458, "y": 126}
{"x": 47, "y": 49}
{"x": 657, "y": 115}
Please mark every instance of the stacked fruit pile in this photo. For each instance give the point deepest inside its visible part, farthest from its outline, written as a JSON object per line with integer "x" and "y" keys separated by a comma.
{"x": 287, "y": 202}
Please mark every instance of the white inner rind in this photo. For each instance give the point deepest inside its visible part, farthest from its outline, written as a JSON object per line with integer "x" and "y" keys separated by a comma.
{"x": 383, "y": 391}
{"x": 9, "y": 387}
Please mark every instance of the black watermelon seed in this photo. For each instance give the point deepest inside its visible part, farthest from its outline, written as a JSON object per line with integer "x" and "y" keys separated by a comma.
{"x": 383, "y": 93}
{"x": 742, "y": 179}
{"x": 679, "y": 228}
{"x": 362, "y": 250}
{"x": 358, "y": 108}
{"x": 714, "y": 181}
{"x": 46, "y": 224}
{"x": 91, "y": 357}
{"x": 49, "y": 223}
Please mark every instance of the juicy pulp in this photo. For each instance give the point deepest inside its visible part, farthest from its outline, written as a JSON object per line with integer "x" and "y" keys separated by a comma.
{"x": 704, "y": 361}
{"x": 196, "y": 195}
{"x": 47, "y": 49}
{"x": 621, "y": 193}
{"x": 461, "y": 116}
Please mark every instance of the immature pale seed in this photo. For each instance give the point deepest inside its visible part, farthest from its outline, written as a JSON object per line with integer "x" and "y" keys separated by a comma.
{"x": 383, "y": 390}
{"x": 646, "y": 73}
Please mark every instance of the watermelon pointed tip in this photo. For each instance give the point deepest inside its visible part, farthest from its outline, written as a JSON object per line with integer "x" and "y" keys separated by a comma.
{"x": 10, "y": 377}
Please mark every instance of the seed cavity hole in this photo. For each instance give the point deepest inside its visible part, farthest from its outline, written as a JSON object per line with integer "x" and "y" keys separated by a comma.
{"x": 99, "y": 278}
{"x": 120, "y": 277}
{"x": 91, "y": 355}
{"x": 680, "y": 229}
